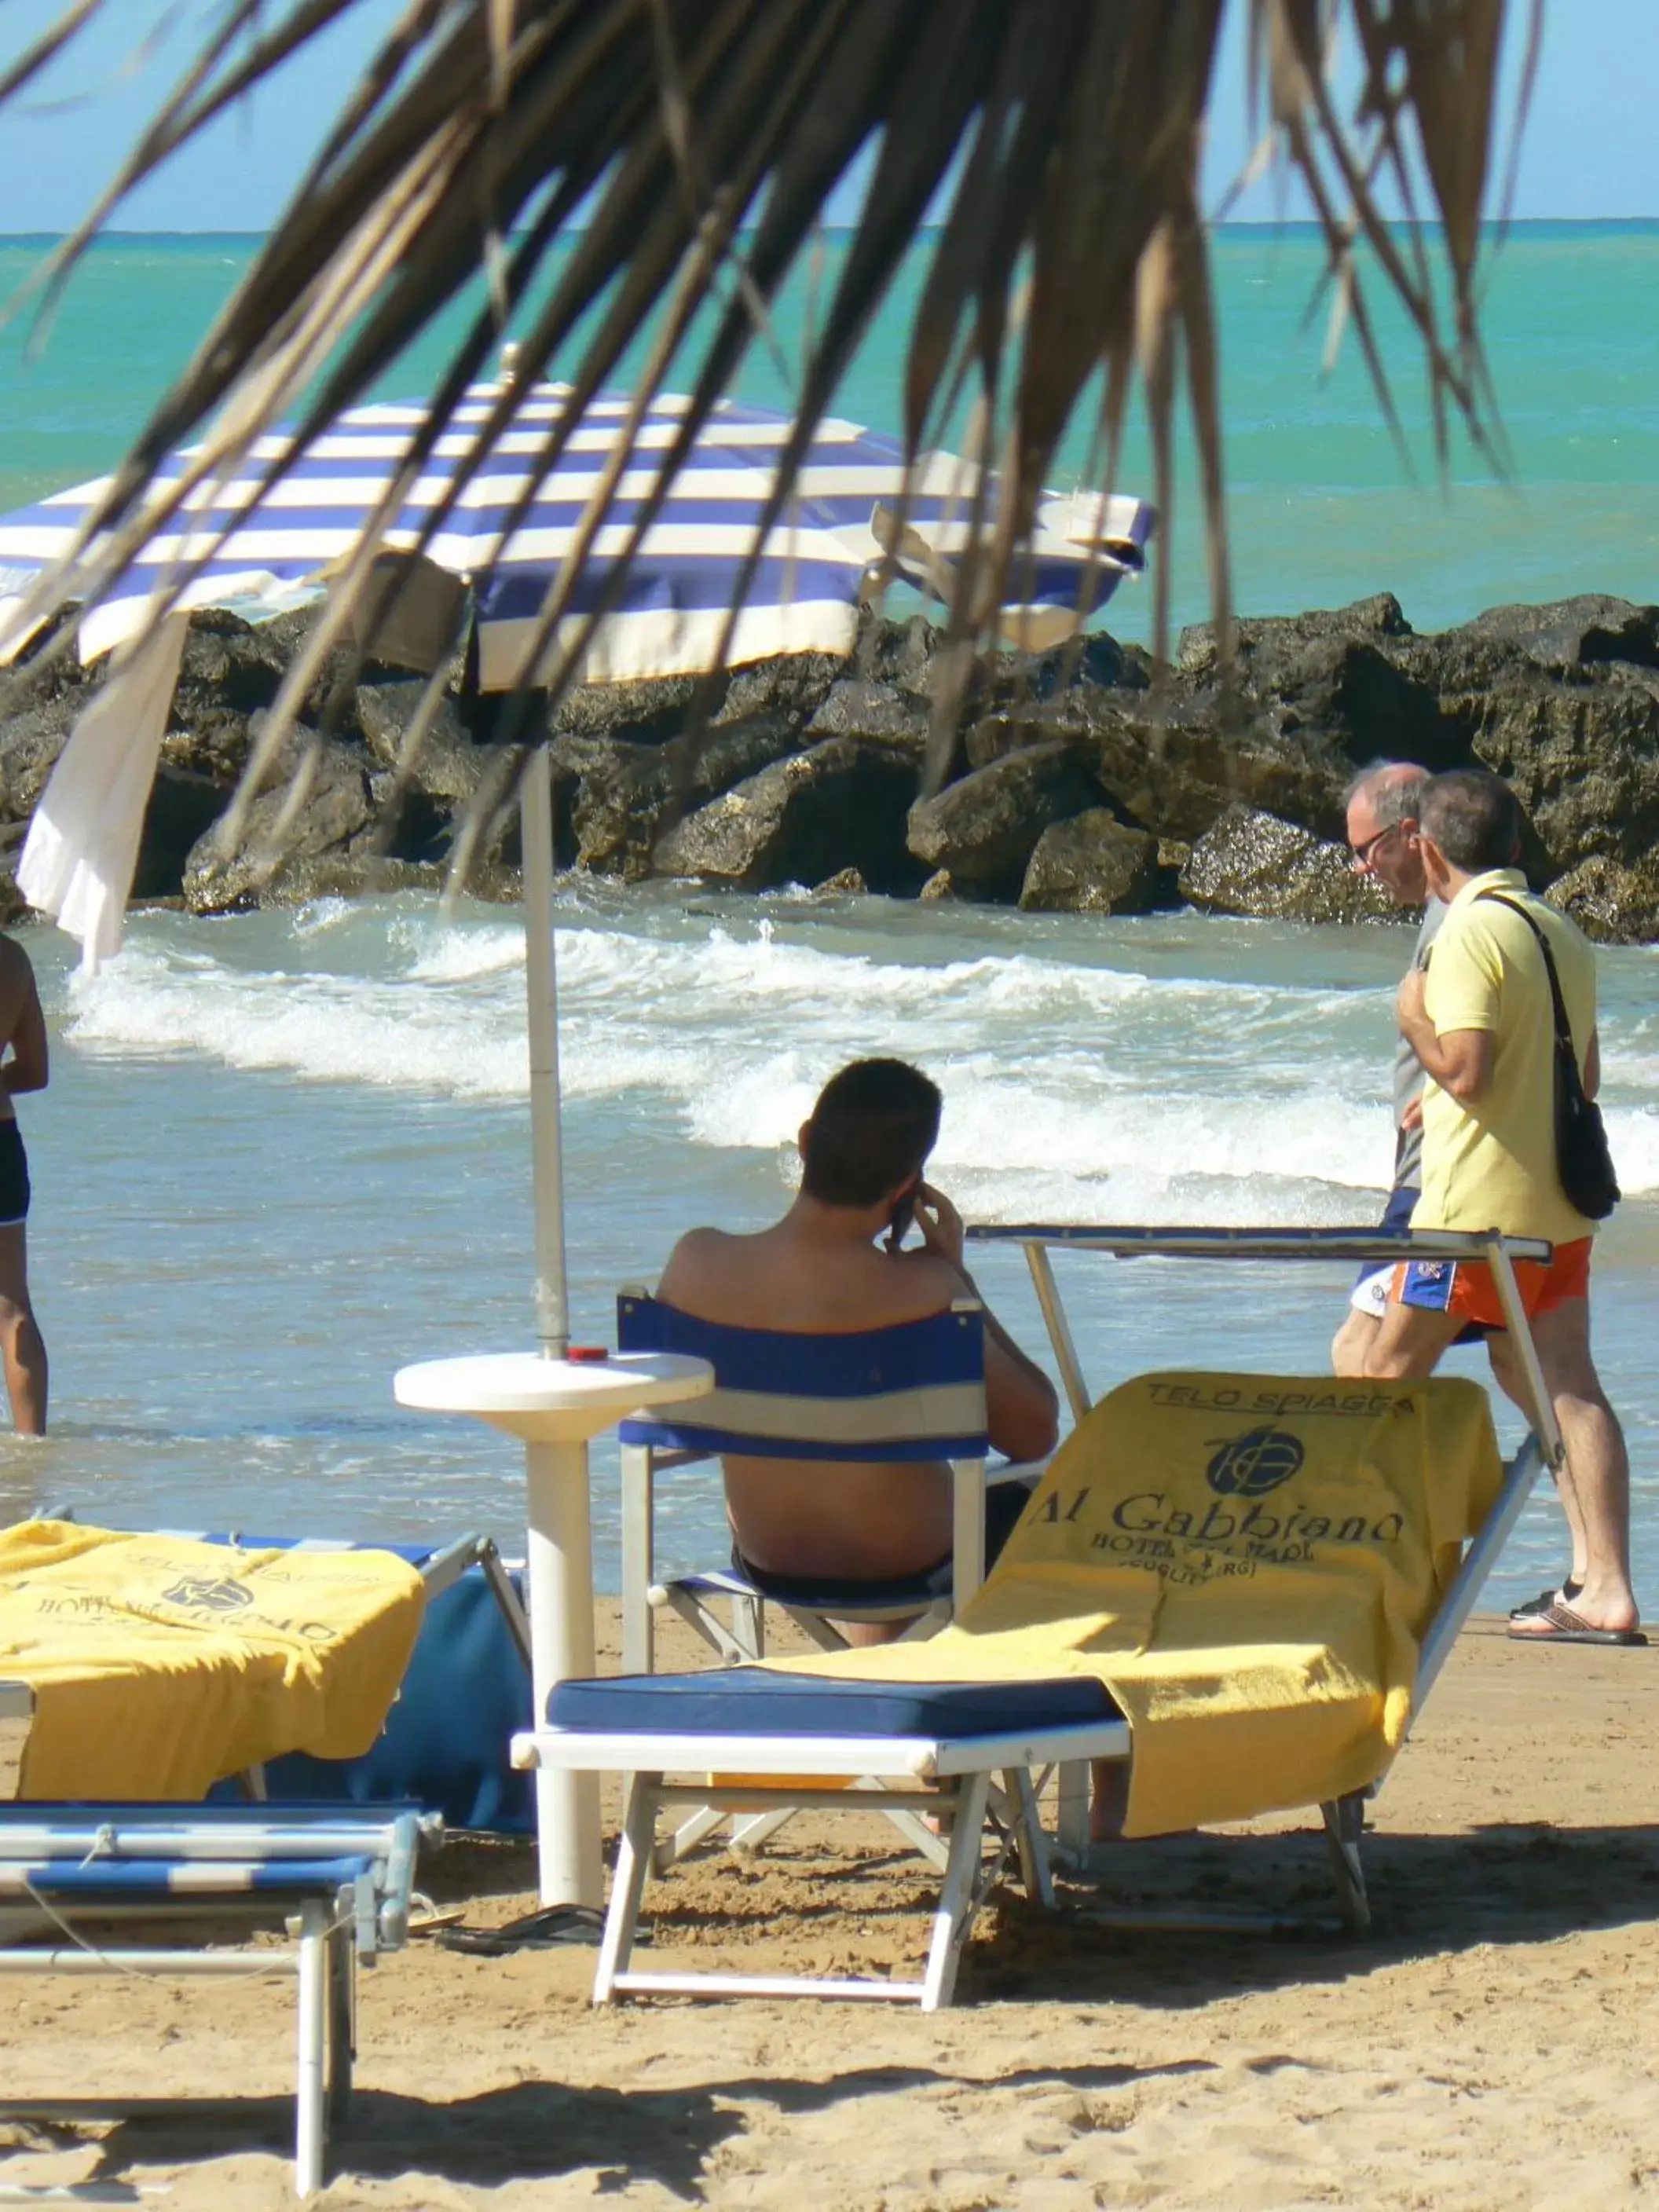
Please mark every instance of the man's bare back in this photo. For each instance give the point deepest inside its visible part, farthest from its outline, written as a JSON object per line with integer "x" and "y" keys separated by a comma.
{"x": 819, "y": 1272}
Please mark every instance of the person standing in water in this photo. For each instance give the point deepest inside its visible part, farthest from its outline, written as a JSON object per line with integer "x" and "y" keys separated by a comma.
{"x": 23, "y": 1044}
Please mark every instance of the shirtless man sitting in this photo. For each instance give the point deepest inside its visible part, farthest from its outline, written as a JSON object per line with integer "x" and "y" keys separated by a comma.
{"x": 832, "y": 1265}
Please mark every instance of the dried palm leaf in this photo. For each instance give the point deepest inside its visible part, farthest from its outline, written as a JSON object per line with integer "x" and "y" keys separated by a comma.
{"x": 702, "y": 140}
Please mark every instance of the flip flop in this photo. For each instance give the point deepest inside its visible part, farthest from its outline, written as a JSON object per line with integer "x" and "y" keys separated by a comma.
{"x": 1561, "y": 1625}
{"x": 1531, "y": 1607}
{"x": 552, "y": 1926}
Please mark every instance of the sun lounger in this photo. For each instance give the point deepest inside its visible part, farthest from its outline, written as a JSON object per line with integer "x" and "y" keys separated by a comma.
{"x": 466, "y": 1692}
{"x": 339, "y": 1879}
{"x": 937, "y": 1745}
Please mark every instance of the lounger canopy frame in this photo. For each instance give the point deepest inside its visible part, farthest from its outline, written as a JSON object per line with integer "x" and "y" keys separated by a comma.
{"x": 959, "y": 1770}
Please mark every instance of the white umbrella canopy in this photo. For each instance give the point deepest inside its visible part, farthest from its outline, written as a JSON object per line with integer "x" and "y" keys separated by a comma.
{"x": 289, "y": 518}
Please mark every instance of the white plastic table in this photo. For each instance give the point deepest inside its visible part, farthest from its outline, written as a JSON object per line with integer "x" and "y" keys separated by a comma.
{"x": 556, "y": 1406}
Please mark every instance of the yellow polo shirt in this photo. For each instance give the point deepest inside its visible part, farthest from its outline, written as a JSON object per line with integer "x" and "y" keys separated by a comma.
{"x": 1492, "y": 1165}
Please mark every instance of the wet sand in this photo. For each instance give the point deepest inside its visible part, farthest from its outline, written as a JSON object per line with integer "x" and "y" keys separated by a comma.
{"x": 1493, "y": 2043}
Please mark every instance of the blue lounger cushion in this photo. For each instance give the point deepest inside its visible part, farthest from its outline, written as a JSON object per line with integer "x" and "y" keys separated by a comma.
{"x": 129, "y": 1879}
{"x": 754, "y": 1701}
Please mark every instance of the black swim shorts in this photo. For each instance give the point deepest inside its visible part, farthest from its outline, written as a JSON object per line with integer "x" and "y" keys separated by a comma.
{"x": 1004, "y": 1503}
{"x": 14, "y": 1176}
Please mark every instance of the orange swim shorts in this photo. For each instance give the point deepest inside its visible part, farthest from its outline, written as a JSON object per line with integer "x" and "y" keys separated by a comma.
{"x": 1465, "y": 1287}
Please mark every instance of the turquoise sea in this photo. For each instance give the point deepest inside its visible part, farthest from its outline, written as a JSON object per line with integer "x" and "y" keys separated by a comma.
{"x": 284, "y": 1154}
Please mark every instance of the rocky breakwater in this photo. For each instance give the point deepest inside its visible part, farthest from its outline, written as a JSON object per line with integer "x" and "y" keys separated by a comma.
{"x": 1084, "y": 780}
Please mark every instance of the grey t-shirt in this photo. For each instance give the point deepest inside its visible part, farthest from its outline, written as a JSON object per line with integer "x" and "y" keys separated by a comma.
{"x": 1408, "y": 1069}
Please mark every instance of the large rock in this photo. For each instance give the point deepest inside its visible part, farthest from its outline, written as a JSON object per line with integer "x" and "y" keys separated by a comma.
{"x": 1581, "y": 757}
{"x": 1252, "y": 863}
{"x": 1175, "y": 766}
{"x": 1094, "y": 864}
{"x": 840, "y": 806}
{"x": 30, "y": 743}
{"x": 627, "y": 796}
{"x": 1375, "y": 618}
{"x": 874, "y": 714}
{"x": 1616, "y": 905}
{"x": 274, "y": 863}
{"x": 792, "y": 685}
{"x": 1567, "y": 633}
{"x": 446, "y": 765}
{"x": 1097, "y": 662}
{"x": 983, "y": 828}
{"x": 649, "y": 711}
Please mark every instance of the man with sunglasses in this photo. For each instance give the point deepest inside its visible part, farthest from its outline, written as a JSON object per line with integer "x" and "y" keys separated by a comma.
{"x": 1382, "y": 803}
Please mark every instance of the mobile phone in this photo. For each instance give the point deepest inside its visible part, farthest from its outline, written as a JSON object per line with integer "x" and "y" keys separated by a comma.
{"x": 898, "y": 1225}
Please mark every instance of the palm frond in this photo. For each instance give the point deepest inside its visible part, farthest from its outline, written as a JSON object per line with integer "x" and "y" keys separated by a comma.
{"x": 702, "y": 141}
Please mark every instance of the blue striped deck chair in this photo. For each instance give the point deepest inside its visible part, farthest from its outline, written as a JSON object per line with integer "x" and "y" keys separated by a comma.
{"x": 914, "y": 1392}
{"x": 338, "y": 1879}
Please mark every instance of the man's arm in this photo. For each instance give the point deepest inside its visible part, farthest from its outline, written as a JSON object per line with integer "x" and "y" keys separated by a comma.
{"x": 1021, "y": 1411}
{"x": 26, "y": 1069}
{"x": 1460, "y": 1061}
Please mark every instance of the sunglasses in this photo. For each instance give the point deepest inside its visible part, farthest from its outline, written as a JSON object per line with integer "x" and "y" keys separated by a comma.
{"x": 1362, "y": 854}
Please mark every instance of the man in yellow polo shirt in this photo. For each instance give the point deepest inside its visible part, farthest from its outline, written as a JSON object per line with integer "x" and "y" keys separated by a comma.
{"x": 1480, "y": 1020}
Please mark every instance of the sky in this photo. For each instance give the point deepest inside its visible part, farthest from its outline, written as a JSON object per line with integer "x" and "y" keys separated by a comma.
{"x": 1589, "y": 149}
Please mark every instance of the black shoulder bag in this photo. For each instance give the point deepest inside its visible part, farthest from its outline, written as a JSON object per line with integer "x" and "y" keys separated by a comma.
{"x": 1582, "y": 1159}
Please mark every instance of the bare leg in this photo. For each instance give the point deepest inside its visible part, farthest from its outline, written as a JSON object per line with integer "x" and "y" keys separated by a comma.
{"x": 22, "y": 1350}
{"x": 1506, "y": 1372}
{"x": 1595, "y": 1485}
{"x": 1351, "y": 1347}
{"x": 1409, "y": 1343}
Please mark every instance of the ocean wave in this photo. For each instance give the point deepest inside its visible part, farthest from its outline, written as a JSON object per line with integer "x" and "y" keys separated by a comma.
{"x": 1090, "y": 1087}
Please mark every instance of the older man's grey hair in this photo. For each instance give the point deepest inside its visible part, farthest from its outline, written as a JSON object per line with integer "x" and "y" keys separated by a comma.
{"x": 1394, "y": 788}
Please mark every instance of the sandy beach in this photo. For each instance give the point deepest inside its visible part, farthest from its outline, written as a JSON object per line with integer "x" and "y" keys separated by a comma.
{"x": 1493, "y": 2043}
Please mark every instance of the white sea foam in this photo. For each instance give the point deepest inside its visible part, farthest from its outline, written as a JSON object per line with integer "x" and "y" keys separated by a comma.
{"x": 1073, "y": 1089}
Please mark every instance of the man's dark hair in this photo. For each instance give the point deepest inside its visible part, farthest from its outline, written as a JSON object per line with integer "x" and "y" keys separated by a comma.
{"x": 1394, "y": 797}
{"x": 1473, "y": 817}
{"x": 872, "y": 1128}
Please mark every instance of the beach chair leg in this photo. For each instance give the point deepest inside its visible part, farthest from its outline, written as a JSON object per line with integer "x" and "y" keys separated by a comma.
{"x": 634, "y": 1858}
{"x": 959, "y": 1896}
{"x": 342, "y": 2025}
{"x": 1029, "y": 1840}
{"x": 1072, "y": 1815}
{"x": 494, "y": 1569}
{"x": 1345, "y": 1826}
{"x": 707, "y": 1625}
{"x": 638, "y": 1621}
{"x": 749, "y": 1625}
{"x": 309, "y": 2105}
{"x": 686, "y": 1837}
{"x": 750, "y": 1833}
{"x": 816, "y": 1629}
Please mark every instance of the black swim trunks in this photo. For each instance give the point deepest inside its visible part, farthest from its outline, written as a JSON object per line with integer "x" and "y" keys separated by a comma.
{"x": 1004, "y": 1503}
{"x": 14, "y": 1176}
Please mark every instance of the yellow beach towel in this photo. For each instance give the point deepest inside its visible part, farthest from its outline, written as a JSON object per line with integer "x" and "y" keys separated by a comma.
{"x": 159, "y": 1664}
{"x": 1248, "y": 1565}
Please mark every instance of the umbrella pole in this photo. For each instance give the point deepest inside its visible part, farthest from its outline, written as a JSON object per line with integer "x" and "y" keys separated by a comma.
{"x": 542, "y": 991}
{"x": 559, "y": 1547}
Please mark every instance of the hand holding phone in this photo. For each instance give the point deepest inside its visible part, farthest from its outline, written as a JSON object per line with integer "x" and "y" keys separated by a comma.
{"x": 940, "y": 1224}
{"x": 899, "y": 1221}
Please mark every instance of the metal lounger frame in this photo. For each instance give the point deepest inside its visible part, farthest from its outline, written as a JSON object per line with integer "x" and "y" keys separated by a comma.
{"x": 953, "y": 1778}
{"x": 216, "y": 1851}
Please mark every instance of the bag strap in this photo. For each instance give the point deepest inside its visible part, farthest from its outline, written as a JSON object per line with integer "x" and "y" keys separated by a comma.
{"x": 1563, "y": 1026}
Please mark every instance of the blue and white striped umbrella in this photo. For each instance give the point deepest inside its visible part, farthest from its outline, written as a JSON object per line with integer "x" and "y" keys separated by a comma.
{"x": 263, "y": 544}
